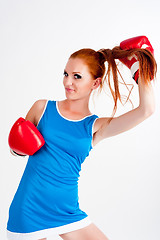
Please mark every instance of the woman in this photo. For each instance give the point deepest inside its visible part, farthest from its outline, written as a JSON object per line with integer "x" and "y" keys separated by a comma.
{"x": 46, "y": 201}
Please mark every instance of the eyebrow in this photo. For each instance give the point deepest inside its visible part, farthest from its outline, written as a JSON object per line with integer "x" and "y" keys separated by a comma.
{"x": 72, "y": 72}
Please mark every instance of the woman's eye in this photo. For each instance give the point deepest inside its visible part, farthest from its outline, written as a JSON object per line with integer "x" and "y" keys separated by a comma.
{"x": 77, "y": 76}
{"x": 65, "y": 74}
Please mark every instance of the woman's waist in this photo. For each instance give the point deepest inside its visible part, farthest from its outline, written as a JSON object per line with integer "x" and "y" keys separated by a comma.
{"x": 46, "y": 176}
{"x": 54, "y": 170}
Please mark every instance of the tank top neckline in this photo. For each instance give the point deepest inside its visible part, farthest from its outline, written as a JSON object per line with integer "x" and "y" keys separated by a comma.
{"x": 71, "y": 120}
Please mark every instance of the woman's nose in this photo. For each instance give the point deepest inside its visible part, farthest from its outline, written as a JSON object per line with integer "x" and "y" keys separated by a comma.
{"x": 68, "y": 80}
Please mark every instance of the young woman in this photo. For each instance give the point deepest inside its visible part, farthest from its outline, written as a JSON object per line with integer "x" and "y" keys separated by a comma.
{"x": 46, "y": 201}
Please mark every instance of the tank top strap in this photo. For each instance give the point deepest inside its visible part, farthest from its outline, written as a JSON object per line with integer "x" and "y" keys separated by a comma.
{"x": 89, "y": 124}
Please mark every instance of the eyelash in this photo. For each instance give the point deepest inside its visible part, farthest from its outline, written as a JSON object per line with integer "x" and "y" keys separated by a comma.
{"x": 65, "y": 74}
{"x": 77, "y": 75}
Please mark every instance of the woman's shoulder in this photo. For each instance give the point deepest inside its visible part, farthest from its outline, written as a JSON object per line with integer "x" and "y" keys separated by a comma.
{"x": 99, "y": 122}
{"x": 36, "y": 111}
{"x": 40, "y": 103}
{"x": 39, "y": 108}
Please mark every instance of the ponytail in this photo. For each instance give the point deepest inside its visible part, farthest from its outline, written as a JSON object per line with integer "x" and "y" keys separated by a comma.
{"x": 147, "y": 69}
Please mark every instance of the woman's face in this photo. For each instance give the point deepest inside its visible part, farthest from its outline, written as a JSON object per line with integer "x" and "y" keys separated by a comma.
{"x": 78, "y": 82}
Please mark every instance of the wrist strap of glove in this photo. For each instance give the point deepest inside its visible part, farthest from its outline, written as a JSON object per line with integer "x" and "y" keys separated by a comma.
{"x": 16, "y": 154}
{"x": 134, "y": 68}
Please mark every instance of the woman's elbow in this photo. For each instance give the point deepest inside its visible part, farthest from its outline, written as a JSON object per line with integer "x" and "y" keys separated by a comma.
{"x": 149, "y": 112}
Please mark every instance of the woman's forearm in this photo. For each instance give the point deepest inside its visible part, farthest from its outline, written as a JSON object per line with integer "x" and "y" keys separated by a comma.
{"x": 146, "y": 97}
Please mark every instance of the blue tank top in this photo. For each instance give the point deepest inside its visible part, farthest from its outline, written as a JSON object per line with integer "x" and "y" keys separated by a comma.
{"x": 47, "y": 195}
{"x": 67, "y": 144}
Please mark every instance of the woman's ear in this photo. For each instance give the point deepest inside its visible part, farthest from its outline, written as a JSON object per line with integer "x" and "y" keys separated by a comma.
{"x": 96, "y": 83}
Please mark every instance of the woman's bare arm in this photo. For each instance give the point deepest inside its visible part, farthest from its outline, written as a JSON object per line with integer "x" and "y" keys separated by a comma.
{"x": 128, "y": 120}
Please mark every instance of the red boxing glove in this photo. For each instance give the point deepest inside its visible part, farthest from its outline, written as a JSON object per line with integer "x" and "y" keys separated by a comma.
{"x": 24, "y": 138}
{"x": 132, "y": 62}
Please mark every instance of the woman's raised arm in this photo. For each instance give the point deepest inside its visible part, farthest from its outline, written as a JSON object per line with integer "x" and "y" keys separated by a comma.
{"x": 125, "y": 122}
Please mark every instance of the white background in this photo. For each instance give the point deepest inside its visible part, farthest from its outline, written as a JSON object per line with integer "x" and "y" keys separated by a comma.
{"x": 119, "y": 186}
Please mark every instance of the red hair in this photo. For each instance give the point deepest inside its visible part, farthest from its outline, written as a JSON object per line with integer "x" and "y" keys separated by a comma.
{"x": 95, "y": 60}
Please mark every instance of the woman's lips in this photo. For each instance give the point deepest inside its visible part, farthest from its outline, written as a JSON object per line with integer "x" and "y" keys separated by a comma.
{"x": 69, "y": 90}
